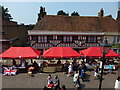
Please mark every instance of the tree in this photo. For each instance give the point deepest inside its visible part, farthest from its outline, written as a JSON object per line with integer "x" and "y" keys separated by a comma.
{"x": 61, "y": 12}
{"x": 41, "y": 13}
{"x": 4, "y": 13}
{"x": 75, "y": 14}
{"x": 116, "y": 45}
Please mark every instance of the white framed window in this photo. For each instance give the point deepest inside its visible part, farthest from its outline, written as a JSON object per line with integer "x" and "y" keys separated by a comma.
{"x": 42, "y": 39}
{"x": 67, "y": 38}
{"x": 91, "y": 39}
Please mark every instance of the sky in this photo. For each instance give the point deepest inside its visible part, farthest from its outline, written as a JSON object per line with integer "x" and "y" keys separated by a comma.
{"x": 27, "y": 12}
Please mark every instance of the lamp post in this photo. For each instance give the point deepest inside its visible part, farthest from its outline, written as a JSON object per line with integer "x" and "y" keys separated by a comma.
{"x": 104, "y": 47}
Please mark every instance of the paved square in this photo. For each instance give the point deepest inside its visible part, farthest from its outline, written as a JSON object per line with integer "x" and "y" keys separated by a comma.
{"x": 40, "y": 80}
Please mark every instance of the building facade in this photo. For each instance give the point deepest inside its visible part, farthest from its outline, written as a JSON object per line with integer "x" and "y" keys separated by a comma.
{"x": 13, "y": 34}
{"x": 76, "y": 40}
{"x": 78, "y": 32}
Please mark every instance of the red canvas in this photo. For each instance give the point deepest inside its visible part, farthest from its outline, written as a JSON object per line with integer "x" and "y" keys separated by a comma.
{"x": 21, "y": 52}
{"x": 95, "y": 52}
{"x": 60, "y": 52}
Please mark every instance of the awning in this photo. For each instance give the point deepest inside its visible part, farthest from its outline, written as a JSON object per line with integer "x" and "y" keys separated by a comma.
{"x": 95, "y": 52}
{"x": 20, "y": 52}
{"x": 61, "y": 52}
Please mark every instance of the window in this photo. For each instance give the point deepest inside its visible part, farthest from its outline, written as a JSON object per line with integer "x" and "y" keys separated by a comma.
{"x": 34, "y": 38}
{"x": 60, "y": 37}
{"x": 42, "y": 39}
{"x": 67, "y": 39}
{"x": 75, "y": 37}
{"x": 54, "y": 37}
{"x": 118, "y": 39}
{"x": 91, "y": 39}
{"x": 50, "y": 37}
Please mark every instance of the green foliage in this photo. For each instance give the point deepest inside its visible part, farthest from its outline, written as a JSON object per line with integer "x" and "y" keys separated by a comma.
{"x": 41, "y": 13}
{"x": 116, "y": 45}
{"x": 61, "y": 12}
{"x": 4, "y": 13}
{"x": 75, "y": 14}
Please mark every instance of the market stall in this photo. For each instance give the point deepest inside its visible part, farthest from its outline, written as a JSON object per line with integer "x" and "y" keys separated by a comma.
{"x": 21, "y": 53}
{"x": 96, "y": 53}
{"x": 58, "y": 53}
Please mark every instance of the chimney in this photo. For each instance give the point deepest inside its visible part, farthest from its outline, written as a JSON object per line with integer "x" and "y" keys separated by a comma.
{"x": 101, "y": 13}
{"x": 118, "y": 14}
{"x": 44, "y": 12}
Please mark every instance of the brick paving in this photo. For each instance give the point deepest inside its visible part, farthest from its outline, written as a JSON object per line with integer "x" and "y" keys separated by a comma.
{"x": 39, "y": 80}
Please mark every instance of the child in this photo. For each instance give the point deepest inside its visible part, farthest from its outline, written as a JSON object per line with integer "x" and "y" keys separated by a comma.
{"x": 49, "y": 78}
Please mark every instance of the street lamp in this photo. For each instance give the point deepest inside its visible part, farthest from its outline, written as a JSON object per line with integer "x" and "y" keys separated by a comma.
{"x": 104, "y": 47}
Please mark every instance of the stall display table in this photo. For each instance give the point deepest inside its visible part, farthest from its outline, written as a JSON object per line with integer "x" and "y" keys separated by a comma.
{"x": 49, "y": 69}
{"x": 53, "y": 68}
{"x": 22, "y": 70}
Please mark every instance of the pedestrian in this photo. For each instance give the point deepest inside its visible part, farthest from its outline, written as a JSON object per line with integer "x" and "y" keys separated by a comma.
{"x": 49, "y": 78}
{"x": 63, "y": 87}
{"x": 82, "y": 74}
{"x": 35, "y": 65}
{"x": 58, "y": 62}
{"x": 111, "y": 66}
{"x": 70, "y": 69}
{"x": 117, "y": 84}
{"x": 100, "y": 65}
{"x": 57, "y": 83}
{"x": 76, "y": 79}
{"x": 84, "y": 67}
{"x": 50, "y": 86}
{"x": 30, "y": 70}
{"x": 79, "y": 69}
{"x": 66, "y": 64}
{"x": 40, "y": 64}
{"x": 14, "y": 62}
{"x": 96, "y": 72}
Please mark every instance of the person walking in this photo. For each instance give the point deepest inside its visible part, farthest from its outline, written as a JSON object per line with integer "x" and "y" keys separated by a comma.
{"x": 82, "y": 75}
{"x": 66, "y": 64}
{"x": 76, "y": 79}
{"x": 117, "y": 84}
{"x": 96, "y": 72}
{"x": 70, "y": 69}
{"x": 57, "y": 83}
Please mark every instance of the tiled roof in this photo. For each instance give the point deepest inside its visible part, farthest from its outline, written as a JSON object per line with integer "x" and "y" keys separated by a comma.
{"x": 78, "y": 24}
{"x": 118, "y": 20}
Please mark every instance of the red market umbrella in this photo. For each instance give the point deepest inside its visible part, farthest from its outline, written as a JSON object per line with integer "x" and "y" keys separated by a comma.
{"x": 60, "y": 52}
{"x": 20, "y": 52}
{"x": 95, "y": 52}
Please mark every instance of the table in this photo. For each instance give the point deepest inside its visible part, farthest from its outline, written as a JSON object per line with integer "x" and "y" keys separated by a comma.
{"x": 22, "y": 70}
{"x": 53, "y": 68}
